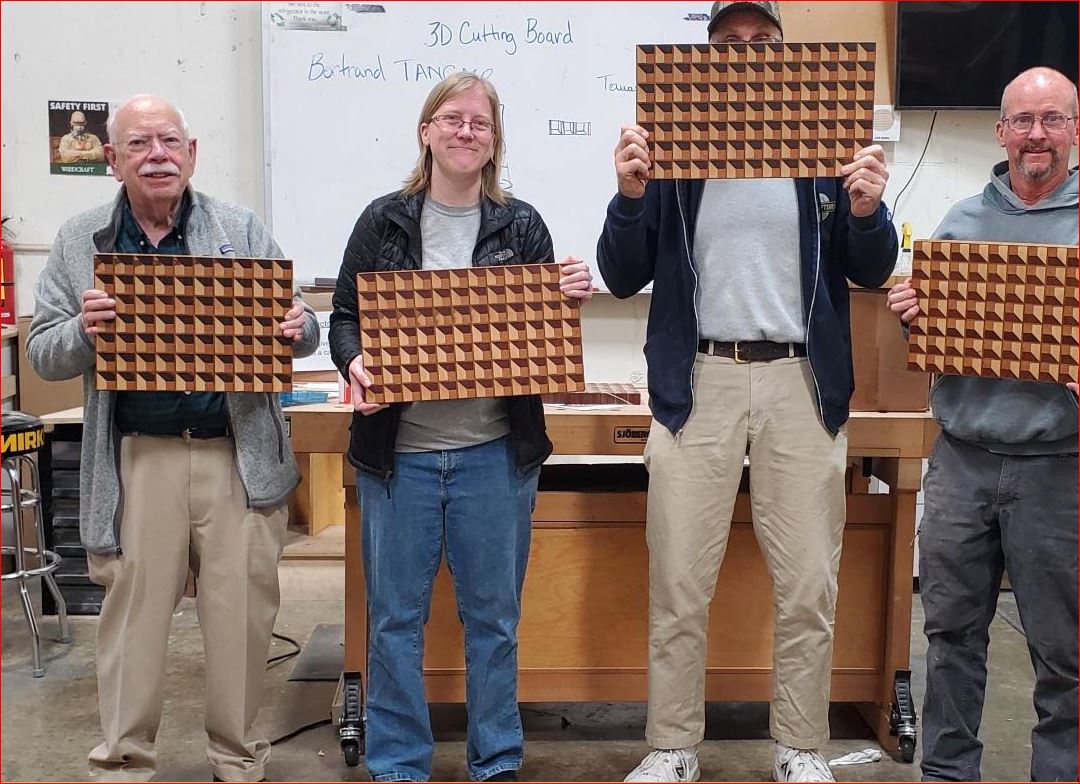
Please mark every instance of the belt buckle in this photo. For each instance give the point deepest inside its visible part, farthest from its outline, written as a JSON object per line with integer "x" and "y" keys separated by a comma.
{"x": 186, "y": 434}
{"x": 739, "y": 360}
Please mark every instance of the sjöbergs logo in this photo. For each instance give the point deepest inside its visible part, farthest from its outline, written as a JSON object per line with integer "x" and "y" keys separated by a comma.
{"x": 631, "y": 435}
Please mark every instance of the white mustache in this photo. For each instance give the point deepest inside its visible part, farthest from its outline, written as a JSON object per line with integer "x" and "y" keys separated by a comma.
{"x": 159, "y": 169}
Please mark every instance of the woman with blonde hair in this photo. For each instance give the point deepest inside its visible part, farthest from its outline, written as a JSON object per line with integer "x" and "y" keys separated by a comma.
{"x": 457, "y": 475}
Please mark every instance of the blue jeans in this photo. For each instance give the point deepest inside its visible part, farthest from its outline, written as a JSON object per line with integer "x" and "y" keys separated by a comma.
{"x": 985, "y": 514}
{"x": 473, "y": 503}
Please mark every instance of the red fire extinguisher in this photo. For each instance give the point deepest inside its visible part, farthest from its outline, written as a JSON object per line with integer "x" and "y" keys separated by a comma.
{"x": 7, "y": 277}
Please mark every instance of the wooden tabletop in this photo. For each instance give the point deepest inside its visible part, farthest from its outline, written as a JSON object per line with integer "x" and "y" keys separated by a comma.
{"x": 591, "y": 430}
{"x": 621, "y": 430}
{"x": 70, "y": 416}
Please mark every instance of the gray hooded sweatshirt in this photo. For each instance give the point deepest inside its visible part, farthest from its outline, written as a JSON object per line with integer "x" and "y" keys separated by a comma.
{"x": 59, "y": 349}
{"x": 1006, "y": 416}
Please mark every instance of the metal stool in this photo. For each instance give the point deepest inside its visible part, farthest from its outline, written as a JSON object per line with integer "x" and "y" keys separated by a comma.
{"x": 22, "y": 437}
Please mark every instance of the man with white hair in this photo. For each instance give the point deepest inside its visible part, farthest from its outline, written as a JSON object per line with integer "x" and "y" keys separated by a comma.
{"x": 1001, "y": 488}
{"x": 170, "y": 479}
{"x": 80, "y": 146}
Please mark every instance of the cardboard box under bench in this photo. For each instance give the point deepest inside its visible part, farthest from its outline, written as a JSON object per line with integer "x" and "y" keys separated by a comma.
{"x": 879, "y": 353}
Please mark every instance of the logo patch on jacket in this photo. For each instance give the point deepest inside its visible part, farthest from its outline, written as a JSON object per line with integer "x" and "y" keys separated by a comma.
{"x": 503, "y": 255}
{"x": 826, "y": 207}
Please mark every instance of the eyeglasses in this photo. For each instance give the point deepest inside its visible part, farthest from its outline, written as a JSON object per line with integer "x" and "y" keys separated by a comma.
{"x": 454, "y": 122}
{"x": 138, "y": 144}
{"x": 1023, "y": 123}
{"x": 757, "y": 39}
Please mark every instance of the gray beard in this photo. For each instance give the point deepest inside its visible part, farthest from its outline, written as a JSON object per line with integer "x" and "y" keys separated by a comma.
{"x": 1037, "y": 175}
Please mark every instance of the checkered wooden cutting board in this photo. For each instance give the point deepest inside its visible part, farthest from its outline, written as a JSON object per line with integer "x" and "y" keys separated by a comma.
{"x": 194, "y": 324}
{"x": 598, "y": 394}
{"x": 727, "y": 111}
{"x": 1000, "y": 310}
{"x": 468, "y": 333}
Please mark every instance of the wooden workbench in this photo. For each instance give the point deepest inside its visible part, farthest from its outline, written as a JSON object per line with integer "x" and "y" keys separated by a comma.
{"x": 583, "y": 634}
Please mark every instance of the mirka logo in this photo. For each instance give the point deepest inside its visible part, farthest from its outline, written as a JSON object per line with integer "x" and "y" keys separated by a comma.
{"x": 631, "y": 435}
{"x": 26, "y": 441}
{"x": 826, "y": 207}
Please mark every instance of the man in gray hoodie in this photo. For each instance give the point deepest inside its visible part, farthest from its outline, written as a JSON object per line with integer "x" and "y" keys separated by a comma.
{"x": 1001, "y": 489}
{"x": 174, "y": 479}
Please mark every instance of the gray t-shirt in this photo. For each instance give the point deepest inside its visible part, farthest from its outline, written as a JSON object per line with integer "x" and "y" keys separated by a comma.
{"x": 746, "y": 251}
{"x": 449, "y": 237}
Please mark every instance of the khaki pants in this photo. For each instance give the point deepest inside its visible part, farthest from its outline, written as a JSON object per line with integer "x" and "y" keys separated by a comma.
{"x": 184, "y": 505}
{"x": 797, "y": 489}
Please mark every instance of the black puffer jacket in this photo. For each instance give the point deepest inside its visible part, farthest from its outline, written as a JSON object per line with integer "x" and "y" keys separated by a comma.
{"x": 387, "y": 237}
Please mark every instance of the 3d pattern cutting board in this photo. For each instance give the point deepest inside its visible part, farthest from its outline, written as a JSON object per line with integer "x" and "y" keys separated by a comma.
{"x": 996, "y": 310}
{"x": 727, "y": 111}
{"x": 597, "y": 394}
{"x": 468, "y": 333}
{"x": 194, "y": 324}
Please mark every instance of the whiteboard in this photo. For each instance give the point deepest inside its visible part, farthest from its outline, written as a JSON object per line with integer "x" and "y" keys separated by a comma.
{"x": 342, "y": 107}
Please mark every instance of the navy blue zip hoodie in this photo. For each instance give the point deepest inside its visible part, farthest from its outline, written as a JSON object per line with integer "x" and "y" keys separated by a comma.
{"x": 651, "y": 239}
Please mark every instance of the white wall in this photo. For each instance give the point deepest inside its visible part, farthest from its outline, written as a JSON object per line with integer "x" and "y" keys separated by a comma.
{"x": 207, "y": 58}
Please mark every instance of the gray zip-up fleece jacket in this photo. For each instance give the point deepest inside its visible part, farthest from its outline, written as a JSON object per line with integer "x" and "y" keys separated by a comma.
{"x": 58, "y": 348}
{"x": 1006, "y": 416}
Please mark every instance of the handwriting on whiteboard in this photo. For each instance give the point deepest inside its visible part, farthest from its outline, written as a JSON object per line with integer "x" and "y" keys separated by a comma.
{"x": 470, "y": 33}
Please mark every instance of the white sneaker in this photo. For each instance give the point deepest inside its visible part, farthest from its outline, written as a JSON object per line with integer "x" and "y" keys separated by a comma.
{"x": 667, "y": 765}
{"x": 799, "y": 765}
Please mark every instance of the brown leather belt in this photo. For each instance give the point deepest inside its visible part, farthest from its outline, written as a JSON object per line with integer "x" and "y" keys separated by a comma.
{"x": 751, "y": 350}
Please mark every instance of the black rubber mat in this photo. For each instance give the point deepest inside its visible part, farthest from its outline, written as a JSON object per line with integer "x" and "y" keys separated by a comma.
{"x": 322, "y": 656}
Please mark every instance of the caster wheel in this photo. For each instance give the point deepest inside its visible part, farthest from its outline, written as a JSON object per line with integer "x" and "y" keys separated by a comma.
{"x": 907, "y": 749}
{"x": 350, "y": 750}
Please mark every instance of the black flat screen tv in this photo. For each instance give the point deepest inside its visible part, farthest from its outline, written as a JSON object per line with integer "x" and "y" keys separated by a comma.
{"x": 961, "y": 55}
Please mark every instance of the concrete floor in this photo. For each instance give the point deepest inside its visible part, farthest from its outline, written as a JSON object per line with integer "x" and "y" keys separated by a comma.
{"x": 49, "y": 724}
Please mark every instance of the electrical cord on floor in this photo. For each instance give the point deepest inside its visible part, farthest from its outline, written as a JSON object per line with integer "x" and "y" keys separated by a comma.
{"x": 298, "y": 731}
{"x": 274, "y": 661}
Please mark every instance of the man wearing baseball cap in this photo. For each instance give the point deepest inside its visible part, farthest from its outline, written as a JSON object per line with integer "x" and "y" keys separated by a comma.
{"x": 748, "y": 349}
{"x": 724, "y": 9}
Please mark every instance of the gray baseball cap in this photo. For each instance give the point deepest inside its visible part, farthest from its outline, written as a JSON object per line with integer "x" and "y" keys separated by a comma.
{"x": 722, "y": 8}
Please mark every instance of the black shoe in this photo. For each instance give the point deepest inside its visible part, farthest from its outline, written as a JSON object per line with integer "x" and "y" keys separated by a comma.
{"x": 506, "y": 775}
